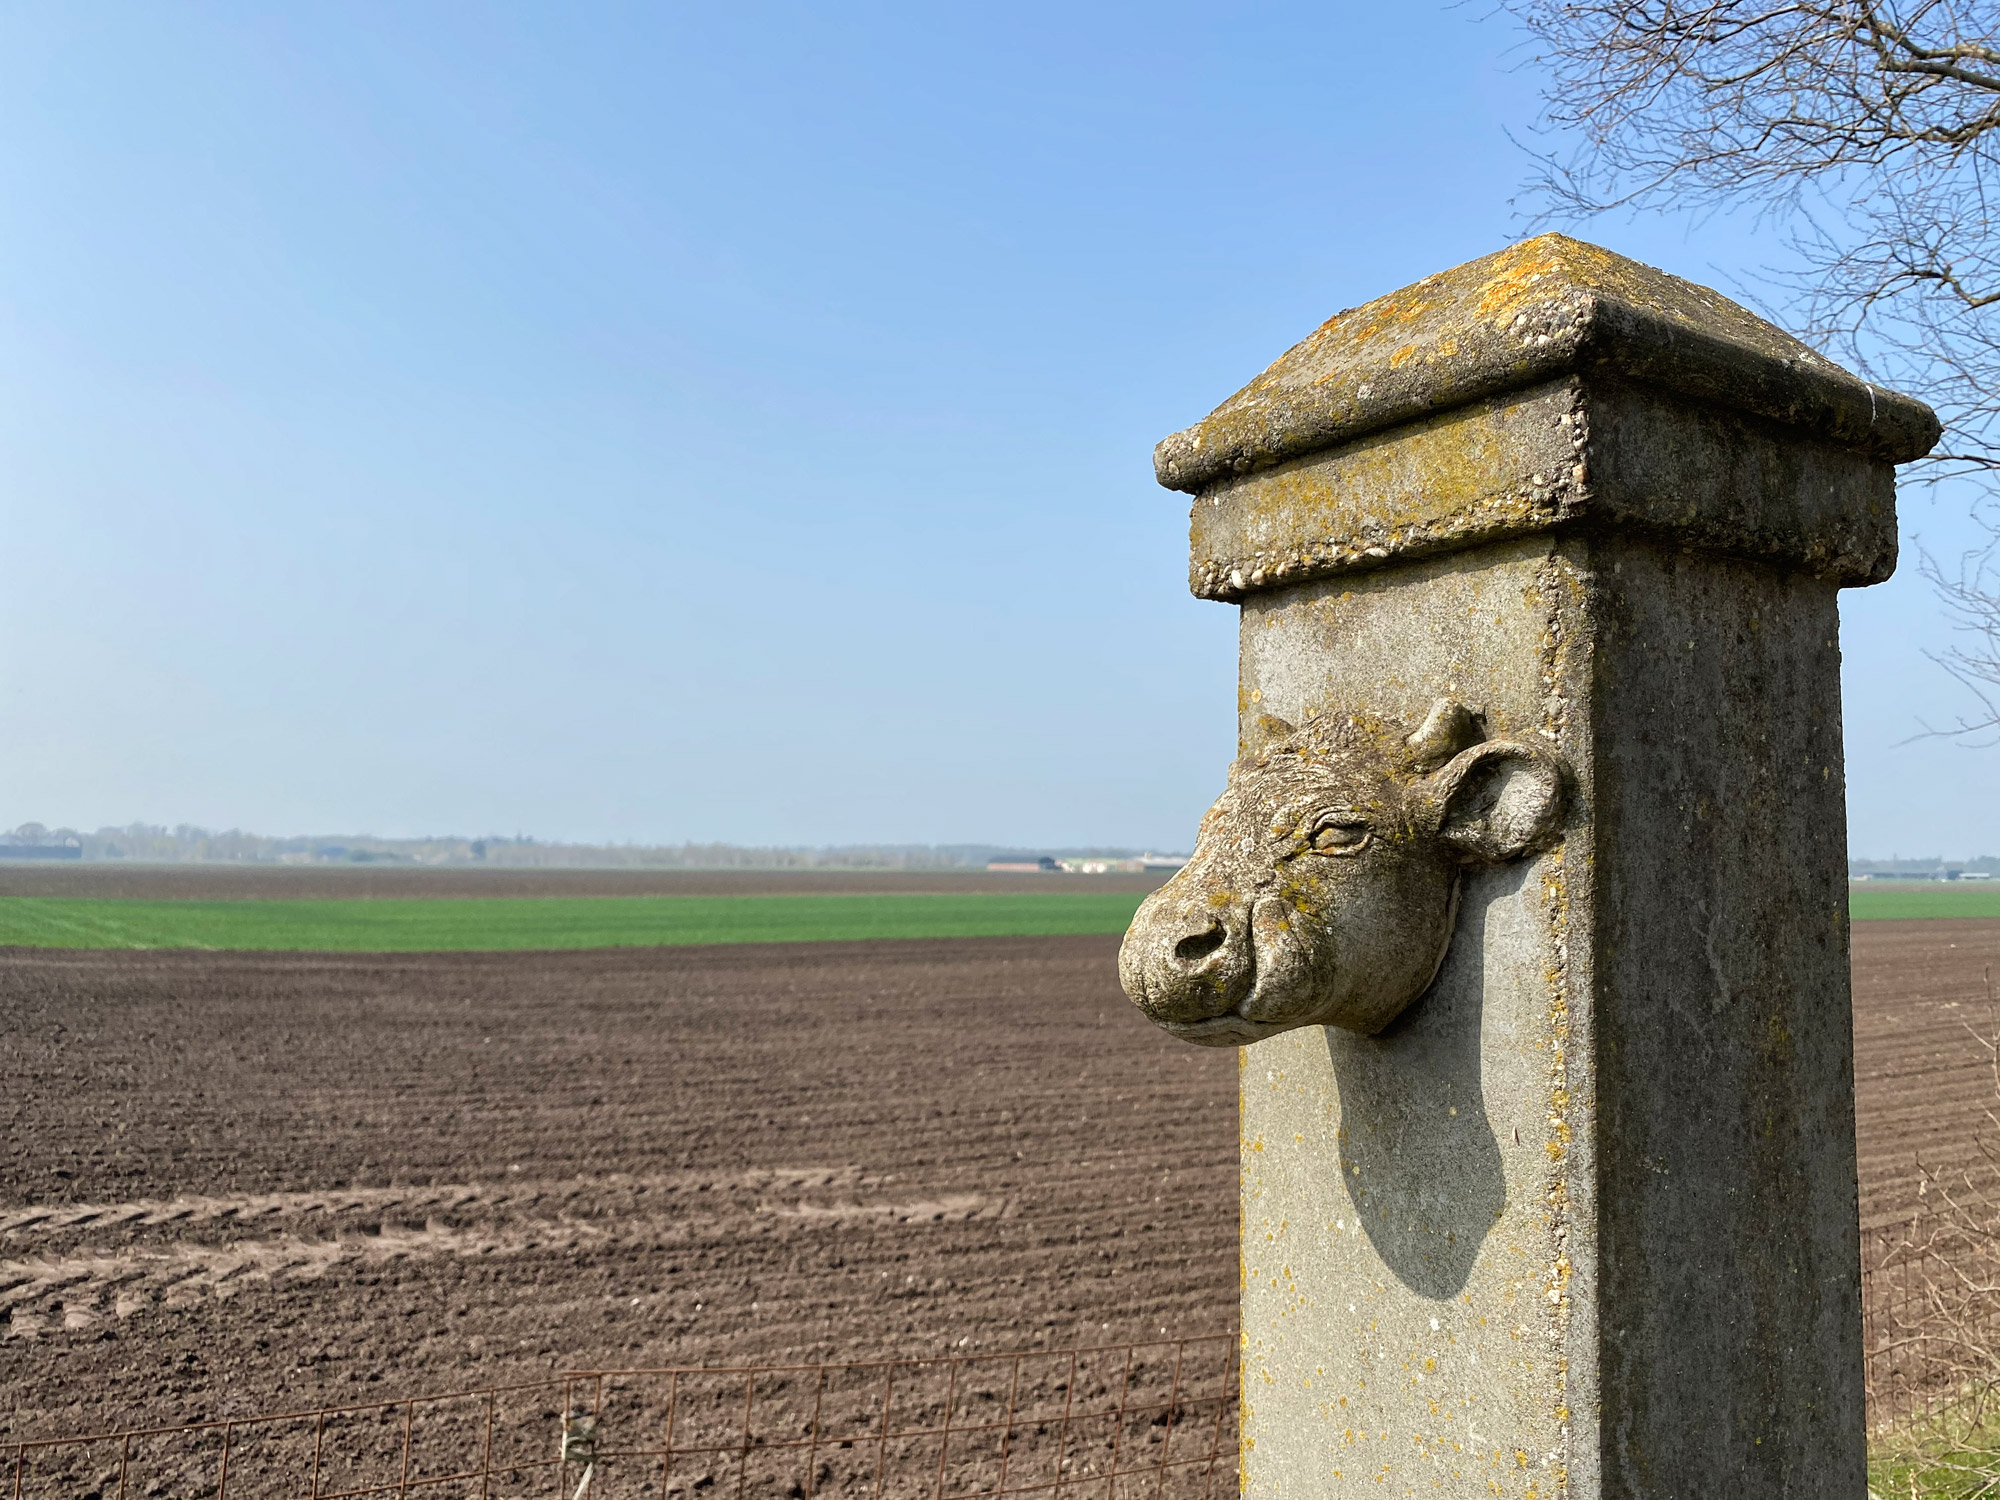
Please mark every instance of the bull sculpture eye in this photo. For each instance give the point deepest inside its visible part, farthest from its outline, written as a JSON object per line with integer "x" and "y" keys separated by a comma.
{"x": 1339, "y": 833}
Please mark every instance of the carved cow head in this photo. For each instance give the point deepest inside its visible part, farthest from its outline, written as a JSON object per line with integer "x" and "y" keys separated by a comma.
{"x": 1324, "y": 884}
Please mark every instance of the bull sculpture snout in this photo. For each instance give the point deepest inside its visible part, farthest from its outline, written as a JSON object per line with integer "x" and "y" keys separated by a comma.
{"x": 1324, "y": 884}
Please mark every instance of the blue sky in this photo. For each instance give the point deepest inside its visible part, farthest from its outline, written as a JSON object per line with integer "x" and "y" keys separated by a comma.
{"x": 654, "y": 423}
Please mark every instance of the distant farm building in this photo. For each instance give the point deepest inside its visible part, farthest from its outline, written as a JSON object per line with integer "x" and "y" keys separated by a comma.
{"x": 1090, "y": 864}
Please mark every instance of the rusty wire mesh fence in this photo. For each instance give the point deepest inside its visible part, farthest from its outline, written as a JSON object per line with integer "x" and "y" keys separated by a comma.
{"x": 1930, "y": 1323}
{"x": 1154, "y": 1421}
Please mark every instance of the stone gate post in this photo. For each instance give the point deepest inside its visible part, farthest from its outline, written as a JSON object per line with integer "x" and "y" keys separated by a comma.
{"x": 1581, "y": 1221}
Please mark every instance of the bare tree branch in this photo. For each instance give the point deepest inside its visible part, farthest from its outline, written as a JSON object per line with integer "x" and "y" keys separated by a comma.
{"x": 1870, "y": 131}
{"x": 1972, "y": 595}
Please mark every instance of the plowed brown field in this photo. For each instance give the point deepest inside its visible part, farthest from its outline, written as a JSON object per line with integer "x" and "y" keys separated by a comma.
{"x": 1924, "y": 1078}
{"x": 237, "y": 1182}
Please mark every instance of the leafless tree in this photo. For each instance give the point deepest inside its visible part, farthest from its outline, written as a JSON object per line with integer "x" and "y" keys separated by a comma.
{"x": 1868, "y": 132}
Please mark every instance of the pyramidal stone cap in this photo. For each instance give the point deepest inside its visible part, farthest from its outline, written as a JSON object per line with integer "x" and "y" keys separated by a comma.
{"x": 1552, "y": 385}
{"x": 1518, "y": 317}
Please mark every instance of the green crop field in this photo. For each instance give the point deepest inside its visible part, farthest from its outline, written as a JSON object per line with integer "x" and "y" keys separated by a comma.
{"x": 1916, "y": 899}
{"x": 504, "y": 923}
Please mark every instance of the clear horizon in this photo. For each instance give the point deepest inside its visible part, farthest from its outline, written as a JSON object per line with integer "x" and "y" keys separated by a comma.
{"x": 724, "y": 426}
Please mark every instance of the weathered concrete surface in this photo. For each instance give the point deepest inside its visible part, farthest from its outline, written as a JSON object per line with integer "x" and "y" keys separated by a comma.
{"x": 1555, "y": 455}
{"x": 1409, "y": 1200}
{"x": 1729, "y": 1252}
{"x": 1582, "y": 1222}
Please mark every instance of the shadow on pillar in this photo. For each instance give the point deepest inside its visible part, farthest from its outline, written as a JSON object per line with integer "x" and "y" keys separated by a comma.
{"x": 1418, "y": 1154}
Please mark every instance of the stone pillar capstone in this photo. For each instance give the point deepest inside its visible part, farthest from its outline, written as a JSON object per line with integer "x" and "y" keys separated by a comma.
{"x": 1527, "y": 899}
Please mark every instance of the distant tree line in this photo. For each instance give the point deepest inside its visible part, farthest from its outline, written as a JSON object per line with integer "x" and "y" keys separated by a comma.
{"x": 186, "y": 844}
{"x": 1922, "y": 869}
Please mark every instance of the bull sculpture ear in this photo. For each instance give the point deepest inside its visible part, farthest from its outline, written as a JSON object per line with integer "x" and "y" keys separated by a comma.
{"x": 1497, "y": 800}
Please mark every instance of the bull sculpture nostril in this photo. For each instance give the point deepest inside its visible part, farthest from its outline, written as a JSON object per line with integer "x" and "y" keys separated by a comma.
{"x": 1193, "y": 949}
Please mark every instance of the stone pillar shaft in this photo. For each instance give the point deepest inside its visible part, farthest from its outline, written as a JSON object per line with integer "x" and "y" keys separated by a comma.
{"x": 1582, "y": 1222}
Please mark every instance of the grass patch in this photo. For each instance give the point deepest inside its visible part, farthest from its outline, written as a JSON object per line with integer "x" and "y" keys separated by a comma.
{"x": 513, "y": 923}
{"x": 1950, "y": 1461}
{"x": 1876, "y": 903}
{"x": 1959, "y": 1476}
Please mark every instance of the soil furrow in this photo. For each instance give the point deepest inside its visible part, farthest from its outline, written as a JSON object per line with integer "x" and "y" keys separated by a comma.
{"x": 237, "y": 1182}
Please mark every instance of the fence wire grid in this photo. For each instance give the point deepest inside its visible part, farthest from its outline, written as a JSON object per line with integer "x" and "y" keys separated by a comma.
{"x": 1150, "y": 1421}
{"x": 1930, "y": 1325}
